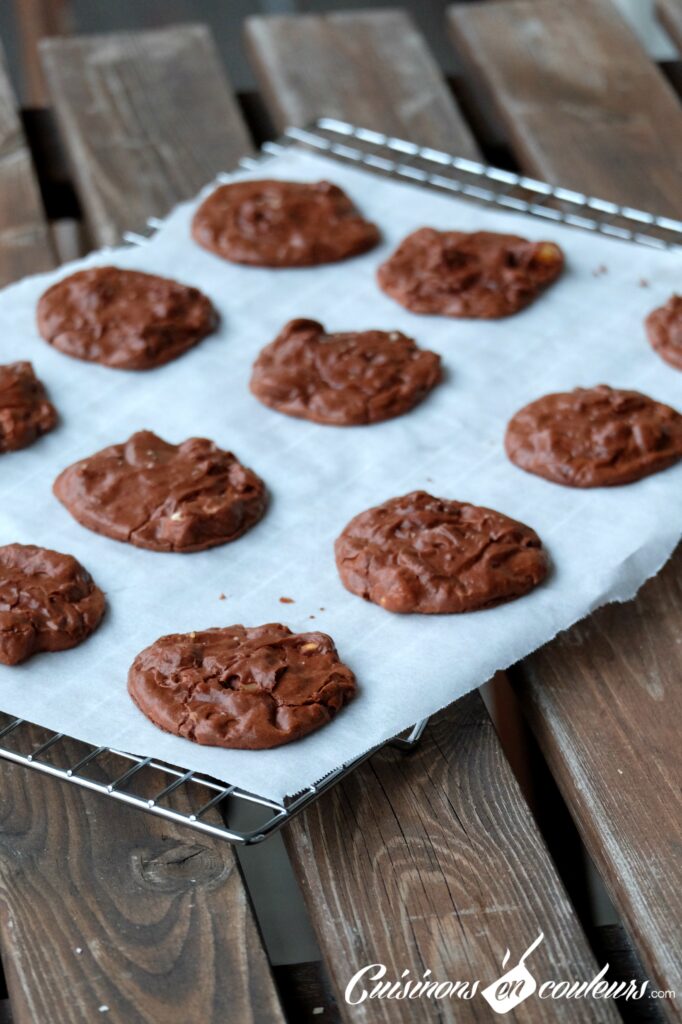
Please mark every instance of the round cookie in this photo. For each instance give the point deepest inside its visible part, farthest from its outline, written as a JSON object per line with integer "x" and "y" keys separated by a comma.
{"x": 124, "y": 319}
{"x": 418, "y": 553}
{"x": 594, "y": 437}
{"x": 481, "y": 275}
{"x": 282, "y": 224}
{"x": 25, "y": 411}
{"x": 343, "y": 379}
{"x": 664, "y": 330}
{"x": 161, "y": 496}
{"x": 48, "y": 602}
{"x": 247, "y": 688}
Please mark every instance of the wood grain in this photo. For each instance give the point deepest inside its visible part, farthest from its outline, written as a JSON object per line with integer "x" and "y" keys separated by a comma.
{"x": 432, "y": 861}
{"x": 25, "y": 245}
{"x": 101, "y": 905}
{"x": 670, "y": 15}
{"x": 147, "y": 118}
{"x": 580, "y": 100}
{"x": 369, "y": 67}
{"x": 605, "y": 703}
{"x": 604, "y": 698}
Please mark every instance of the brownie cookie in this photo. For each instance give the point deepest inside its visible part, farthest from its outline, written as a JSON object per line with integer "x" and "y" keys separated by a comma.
{"x": 238, "y": 687}
{"x": 161, "y": 496}
{"x": 25, "y": 412}
{"x": 483, "y": 274}
{"x": 282, "y": 224}
{"x": 343, "y": 379}
{"x": 594, "y": 437}
{"x": 124, "y": 318}
{"x": 424, "y": 554}
{"x": 664, "y": 329}
{"x": 48, "y": 602}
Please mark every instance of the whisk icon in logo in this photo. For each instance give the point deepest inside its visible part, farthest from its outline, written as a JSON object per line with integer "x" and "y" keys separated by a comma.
{"x": 515, "y": 986}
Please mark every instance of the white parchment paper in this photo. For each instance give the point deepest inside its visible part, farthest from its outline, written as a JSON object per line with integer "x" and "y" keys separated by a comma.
{"x": 604, "y": 543}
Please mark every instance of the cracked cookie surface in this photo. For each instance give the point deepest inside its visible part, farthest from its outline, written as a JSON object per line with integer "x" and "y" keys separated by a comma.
{"x": 124, "y": 319}
{"x": 480, "y": 275}
{"x": 345, "y": 379}
{"x": 248, "y": 688}
{"x": 48, "y": 602}
{"x": 418, "y": 553}
{"x": 664, "y": 330}
{"x": 282, "y": 224}
{"x": 162, "y": 496}
{"x": 594, "y": 437}
{"x": 25, "y": 410}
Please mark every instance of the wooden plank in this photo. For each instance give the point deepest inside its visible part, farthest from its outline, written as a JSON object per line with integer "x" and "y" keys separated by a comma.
{"x": 432, "y": 861}
{"x": 581, "y": 101}
{"x": 101, "y": 905}
{"x": 25, "y": 244}
{"x": 605, "y": 703}
{"x": 148, "y": 119}
{"x": 369, "y": 67}
{"x": 36, "y": 19}
{"x": 669, "y": 14}
{"x": 603, "y": 699}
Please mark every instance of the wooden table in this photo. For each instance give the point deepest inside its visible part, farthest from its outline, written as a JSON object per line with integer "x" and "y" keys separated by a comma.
{"x": 435, "y": 859}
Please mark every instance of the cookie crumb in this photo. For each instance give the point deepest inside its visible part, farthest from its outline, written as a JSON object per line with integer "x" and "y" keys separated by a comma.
{"x": 311, "y": 616}
{"x": 221, "y": 597}
{"x": 600, "y": 270}
{"x": 322, "y": 609}
{"x": 286, "y": 600}
{"x": 643, "y": 283}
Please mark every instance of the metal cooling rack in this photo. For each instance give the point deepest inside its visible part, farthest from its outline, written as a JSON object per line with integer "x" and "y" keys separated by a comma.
{"x": 195, "y": 800}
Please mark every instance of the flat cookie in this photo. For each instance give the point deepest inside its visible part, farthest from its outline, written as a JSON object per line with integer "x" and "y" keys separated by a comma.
{"x": 48, "y": 602}
{"x": 664, "y": 330}
{"x": 161, "y": 496}
{"x": 250, "y": 689}
{"x": 282, "y": 224}
{"x": 343, "y": 379}
{"x": 25, "y": 411}
{"x": 594, "y": 437}
{"x": 483, "y": 275}
{"x": 424, "y": 554}
{"x": 124, "y": 318}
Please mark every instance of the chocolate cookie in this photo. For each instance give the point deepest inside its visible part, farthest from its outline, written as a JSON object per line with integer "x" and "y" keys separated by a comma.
{"x": 124, "y": 318}
{"x": 161, "y": 496}
{"x": 282, "y": 224}
{"x": 664, "y": 329}
{"x": 594, "y": 437}
{"x": 48, "y": 602}
{"x": 424, "y": 554}
{"x": 343, "y": 379}
{"x": 239, "y": 687}
{"x": 25, "y": 412}
{"x": 483, "y": 274}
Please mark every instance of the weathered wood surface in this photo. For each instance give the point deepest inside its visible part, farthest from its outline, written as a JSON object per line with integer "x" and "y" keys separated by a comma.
{"x": 432, "y": 861}
{"x": 148, "y": 119}
{"x": 670, "y": 15}
{"x": 100, "y": 905}
{"x": 580, "y": 100}
{"x": 25, "y": 244}
{"x": 605, "y": 697}
{"x": 369, "y": 67}
{"x": 605, "y": 703}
